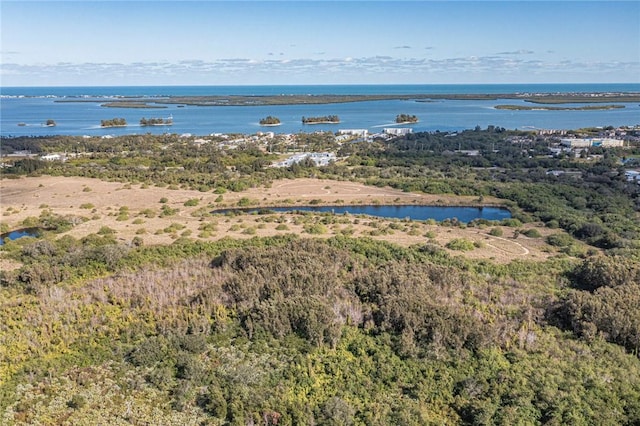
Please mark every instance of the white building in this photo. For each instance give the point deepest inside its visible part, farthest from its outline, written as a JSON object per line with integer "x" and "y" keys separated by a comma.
{"x": 319, "y": 158}
{"x": 361, "y": 133}
{"x": 591, "y": 142}
{"x": 632, "y": 175}
{"x": 51, "y": 157}
{"x": 397, "y": 131}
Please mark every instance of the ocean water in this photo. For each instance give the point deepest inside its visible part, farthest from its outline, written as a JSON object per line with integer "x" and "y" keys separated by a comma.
{"x": 23, "y": 110}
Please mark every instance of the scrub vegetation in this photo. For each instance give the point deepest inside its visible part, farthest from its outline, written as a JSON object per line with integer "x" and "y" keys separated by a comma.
{"x": 321, "y": 327}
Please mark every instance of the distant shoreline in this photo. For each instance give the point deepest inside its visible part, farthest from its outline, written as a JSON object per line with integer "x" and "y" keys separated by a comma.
{"x": 551, "y": 108}
{"x": 129, "y": 104}
{"x": 255, "y": 100}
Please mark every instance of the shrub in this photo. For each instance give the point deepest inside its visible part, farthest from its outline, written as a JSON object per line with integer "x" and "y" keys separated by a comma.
{"x": 460, "y": 244}
{"x": 532, "y": 233}
{"x": 244, "y": 201}
{"x": 559, "y": 240}
{"x": 496, "y": 232}
{"x": 315, "y": 228}
{"x": 105, "y": 230}
{"x": 513, "y": 223}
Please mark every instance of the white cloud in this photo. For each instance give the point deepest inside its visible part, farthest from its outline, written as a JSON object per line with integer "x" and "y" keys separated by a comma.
{"x": 314, "y": 70}
{"x": 517, "y": 52}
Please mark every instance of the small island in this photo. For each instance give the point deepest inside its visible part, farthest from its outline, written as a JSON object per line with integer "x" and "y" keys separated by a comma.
{"x": 50, "y": 123}
{"x": 406, "y": 118}
{"x": 156, "y": 121}
{"x": 114, "y": 122}
{"x": 270, "y": 121}
{"x": 327, "y": 119}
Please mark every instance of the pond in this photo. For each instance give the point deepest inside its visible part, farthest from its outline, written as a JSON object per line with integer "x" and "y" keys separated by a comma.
{"x": 19, "y": 233}
{"x": 413, "y": 212}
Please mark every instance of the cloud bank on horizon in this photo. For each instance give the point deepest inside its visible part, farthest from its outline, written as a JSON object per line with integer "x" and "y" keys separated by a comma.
{"x": 316, "y": 42}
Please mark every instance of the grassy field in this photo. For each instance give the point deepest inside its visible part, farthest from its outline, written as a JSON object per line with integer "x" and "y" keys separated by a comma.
{"x": 159, "y": 215}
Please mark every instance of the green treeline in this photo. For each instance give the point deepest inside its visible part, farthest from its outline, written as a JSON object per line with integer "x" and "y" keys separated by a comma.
{"x": 298, "y": 331}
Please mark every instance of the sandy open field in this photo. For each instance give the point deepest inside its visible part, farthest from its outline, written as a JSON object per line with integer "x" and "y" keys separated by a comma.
{"x": 133, "y": 210}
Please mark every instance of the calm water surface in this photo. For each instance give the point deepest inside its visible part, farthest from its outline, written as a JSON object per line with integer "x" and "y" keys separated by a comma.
{"x": 438, "y": 213}
{"x": 32, "y": 106}
{"x": 19, "y": 233}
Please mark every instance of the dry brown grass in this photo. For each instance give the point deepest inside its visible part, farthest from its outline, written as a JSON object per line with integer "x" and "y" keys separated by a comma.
{"x": 21, "y": 198}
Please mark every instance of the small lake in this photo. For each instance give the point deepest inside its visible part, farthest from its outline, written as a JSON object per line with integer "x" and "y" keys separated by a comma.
{"x": 19, "y": 233}
{"x": 438, "y": 213}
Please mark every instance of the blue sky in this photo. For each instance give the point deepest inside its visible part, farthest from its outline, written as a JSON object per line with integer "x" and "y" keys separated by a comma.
{"x": 45, "y": 43}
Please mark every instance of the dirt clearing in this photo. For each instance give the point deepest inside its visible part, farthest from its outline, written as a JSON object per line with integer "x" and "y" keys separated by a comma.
{"x": 159, "y": 215}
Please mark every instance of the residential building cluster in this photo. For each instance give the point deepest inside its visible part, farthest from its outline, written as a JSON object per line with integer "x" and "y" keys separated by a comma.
{"x": 319, "y": 159}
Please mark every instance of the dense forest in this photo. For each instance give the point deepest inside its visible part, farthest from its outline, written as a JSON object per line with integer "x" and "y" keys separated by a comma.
{"x": 298, "y": 331}
{"x": 294, "y": 330}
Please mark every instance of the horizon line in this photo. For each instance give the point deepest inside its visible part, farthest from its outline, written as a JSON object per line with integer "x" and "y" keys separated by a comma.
{"x": 320, "y": 84}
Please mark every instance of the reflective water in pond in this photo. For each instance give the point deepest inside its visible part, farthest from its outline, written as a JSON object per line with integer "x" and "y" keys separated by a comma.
{"x": 438, "y": 213}
{"x": 19, "y": 233}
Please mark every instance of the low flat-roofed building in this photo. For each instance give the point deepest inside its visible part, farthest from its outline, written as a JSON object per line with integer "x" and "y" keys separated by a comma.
{"x": 591, "y": 142}
{"x": 355, "y": 132}
{"x": 319, "y": 158}
{"x": 397, "y": 131}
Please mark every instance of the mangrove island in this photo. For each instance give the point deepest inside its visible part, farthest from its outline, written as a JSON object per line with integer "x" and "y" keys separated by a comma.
{"x": 406, "y": 118}
{"x": 156, "y": 121}
{"x": 321, "y": 120}
{"x": 114, "y": 122}
{"x": 270, "y": 121}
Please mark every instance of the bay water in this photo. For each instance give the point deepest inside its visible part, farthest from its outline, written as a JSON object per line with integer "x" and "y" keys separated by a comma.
{"x": 24, "y": 110}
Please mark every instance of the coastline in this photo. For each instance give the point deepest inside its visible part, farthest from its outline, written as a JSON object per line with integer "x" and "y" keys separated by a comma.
{"x": 551, "y": 108}
{"x": 256, "y": 100}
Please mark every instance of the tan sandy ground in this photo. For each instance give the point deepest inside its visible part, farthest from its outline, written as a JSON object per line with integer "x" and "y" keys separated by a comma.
{"x": 100, "y": 202}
